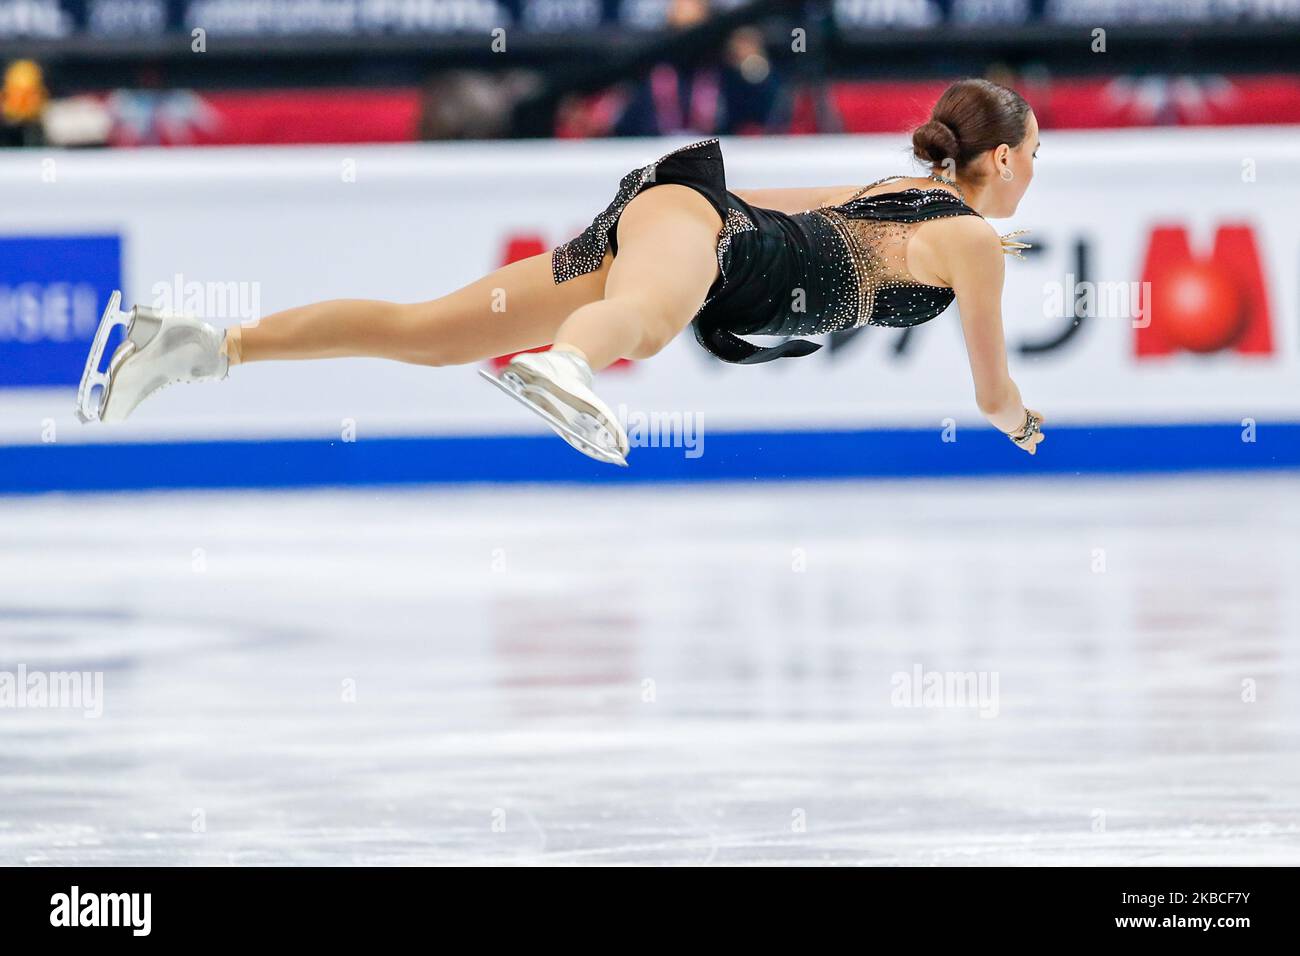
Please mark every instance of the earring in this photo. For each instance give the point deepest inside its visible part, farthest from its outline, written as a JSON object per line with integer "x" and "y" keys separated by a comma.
{"x": 1007, "y": 174}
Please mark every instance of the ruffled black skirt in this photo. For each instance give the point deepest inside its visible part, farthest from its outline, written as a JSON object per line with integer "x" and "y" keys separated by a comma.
{"x": 762, "y": 256}
{"x": 698, "y": 166}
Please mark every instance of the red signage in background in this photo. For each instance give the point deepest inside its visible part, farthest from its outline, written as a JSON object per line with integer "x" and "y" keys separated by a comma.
{"x": 391, "y": 115}
{"x": 1205, "y": 303}
{"x": 522, "y": 247}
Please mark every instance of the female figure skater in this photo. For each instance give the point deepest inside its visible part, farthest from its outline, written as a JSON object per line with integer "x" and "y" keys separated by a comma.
{"x": 675, "y": 247}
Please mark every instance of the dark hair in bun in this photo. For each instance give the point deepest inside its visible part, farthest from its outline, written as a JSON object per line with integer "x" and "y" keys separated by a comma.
{"x": 934, "y": 141}
{"x": 970, "y": 118}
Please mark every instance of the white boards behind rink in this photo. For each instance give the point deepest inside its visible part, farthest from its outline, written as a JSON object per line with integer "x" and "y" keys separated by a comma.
{"x": 240, "y": 233}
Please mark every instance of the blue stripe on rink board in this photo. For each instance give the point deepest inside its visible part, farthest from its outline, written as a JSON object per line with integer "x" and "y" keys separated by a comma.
{"x": 728, "y": 456}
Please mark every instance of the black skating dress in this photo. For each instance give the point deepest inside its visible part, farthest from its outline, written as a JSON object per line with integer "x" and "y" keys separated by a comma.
{"x": 823, "y": 270}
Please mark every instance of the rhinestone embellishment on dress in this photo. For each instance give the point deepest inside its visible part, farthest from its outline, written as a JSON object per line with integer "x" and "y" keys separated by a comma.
{"x": 585, "y": 252}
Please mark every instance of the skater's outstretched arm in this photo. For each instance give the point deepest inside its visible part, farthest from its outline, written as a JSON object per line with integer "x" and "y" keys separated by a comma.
{"x": 972, "y": 262}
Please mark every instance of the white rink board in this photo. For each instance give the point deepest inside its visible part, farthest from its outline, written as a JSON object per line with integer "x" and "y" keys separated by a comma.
{"x": 421, "y": 220}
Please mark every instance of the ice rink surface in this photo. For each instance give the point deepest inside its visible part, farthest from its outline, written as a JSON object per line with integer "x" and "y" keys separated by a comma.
{"x": 684, "y": 675}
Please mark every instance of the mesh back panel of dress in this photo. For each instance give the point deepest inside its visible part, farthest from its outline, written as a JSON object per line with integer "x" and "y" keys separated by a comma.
{"x": 875, "y": 231}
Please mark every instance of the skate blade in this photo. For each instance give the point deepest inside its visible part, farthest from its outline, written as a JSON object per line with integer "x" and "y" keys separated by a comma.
{"x": 89, "y": 408}
{"x": 532, "y": 385}
{"x": 580, "y": 442}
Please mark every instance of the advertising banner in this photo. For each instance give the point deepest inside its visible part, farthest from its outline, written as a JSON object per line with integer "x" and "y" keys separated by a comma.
{"x": 1160, "y": 294}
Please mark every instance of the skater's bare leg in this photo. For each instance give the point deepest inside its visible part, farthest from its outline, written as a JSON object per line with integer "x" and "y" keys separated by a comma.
{"x": 517, "y": 307}
{"x": 667, "y": 241}
{"x": 667, "y": 259}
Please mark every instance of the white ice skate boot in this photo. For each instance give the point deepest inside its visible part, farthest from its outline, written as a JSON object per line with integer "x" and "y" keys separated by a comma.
{"x": 158, "y": 351}
{"x": 557, "y": 386}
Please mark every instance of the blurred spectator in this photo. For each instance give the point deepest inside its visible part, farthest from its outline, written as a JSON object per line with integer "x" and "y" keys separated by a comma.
{"x": 736, "y": 97}
{"x": 749, "y": 86}
{"x": 22, "y": 105}
{"x": 468, "y": 104}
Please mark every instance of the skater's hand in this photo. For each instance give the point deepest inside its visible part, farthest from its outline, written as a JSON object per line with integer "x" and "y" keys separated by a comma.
{"x": 1029, "y": 435}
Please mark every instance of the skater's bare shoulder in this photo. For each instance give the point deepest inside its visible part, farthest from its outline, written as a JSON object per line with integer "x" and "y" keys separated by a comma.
{"x": 959, "y": 251}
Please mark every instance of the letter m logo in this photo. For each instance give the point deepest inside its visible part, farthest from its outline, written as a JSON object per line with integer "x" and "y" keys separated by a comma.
{"x": 1204, "y": 303}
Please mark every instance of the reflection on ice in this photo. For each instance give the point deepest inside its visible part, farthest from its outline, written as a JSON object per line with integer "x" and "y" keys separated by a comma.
{"x": 660, "y": 675}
